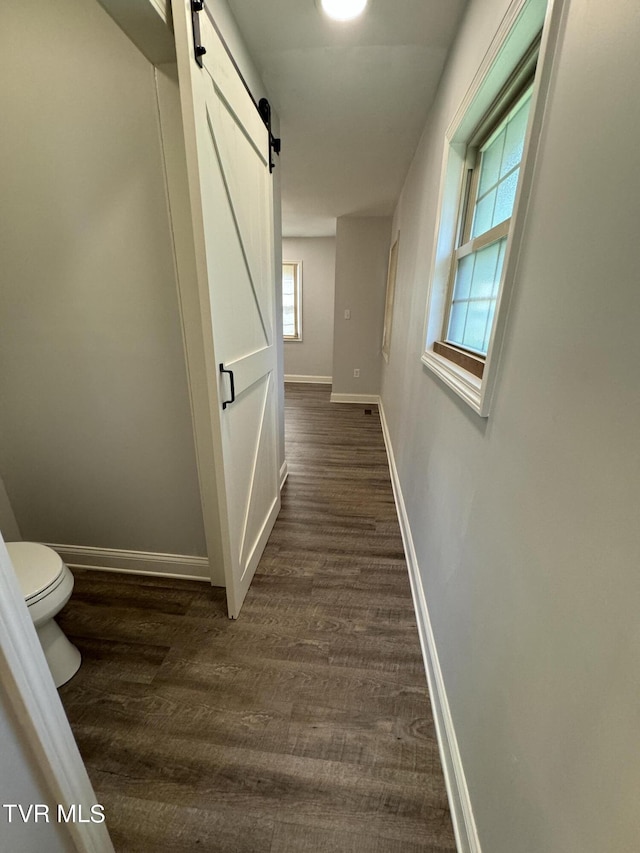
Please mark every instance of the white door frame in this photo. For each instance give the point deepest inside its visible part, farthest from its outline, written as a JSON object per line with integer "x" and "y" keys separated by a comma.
{"x": 37, "y": 708}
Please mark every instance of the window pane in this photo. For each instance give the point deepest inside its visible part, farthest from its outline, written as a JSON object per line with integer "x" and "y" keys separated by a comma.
{"x": 483, "y": 215}
{"x": 288, "y": 278}
{"x": 288, "y": 321}
{"x": 515, "y": 132}
{"x": 484, "y": 272}
{"x": 506, "y": 196}
{"x": 490, "y": 165}
{"x": 457, "y": 321}
{"x": 477, "y": 316}
{"x": 475, "y": 296}
{"x": 463, "y": 278}
{"x": 499, "y": 171}
{"x": 290, "y": 298}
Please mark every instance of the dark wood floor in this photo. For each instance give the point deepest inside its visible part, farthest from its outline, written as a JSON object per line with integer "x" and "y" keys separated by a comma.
{"x": 305, "y": 726}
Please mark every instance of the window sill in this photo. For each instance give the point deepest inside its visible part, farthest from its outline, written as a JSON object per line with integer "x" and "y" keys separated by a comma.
{"x": 465, "y": 384}
{"x": 465, "y": 359}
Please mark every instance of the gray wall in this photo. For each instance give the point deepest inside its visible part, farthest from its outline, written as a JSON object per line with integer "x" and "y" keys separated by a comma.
{"x": 8, "y": 524}
{"x": 96, "y": 444}
{"x": 313, "y": 356}
{"x": 362, "y": 256}
{"x": 525, "y": 524}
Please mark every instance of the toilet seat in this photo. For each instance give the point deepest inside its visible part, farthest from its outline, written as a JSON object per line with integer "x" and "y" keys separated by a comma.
{"x": 39, "y": 569}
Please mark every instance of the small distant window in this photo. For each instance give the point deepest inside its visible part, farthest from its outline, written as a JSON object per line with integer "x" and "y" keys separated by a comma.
{"x": 292, "y": 300}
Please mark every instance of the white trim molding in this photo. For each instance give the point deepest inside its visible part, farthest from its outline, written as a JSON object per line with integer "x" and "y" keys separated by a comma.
{"x": 468, "y": 386}
{"x": 147, "y": 23}
{"x": 139, "y": 563}
{"x": 464, "y": 826}
{"x": 311, "y": 380}
{"x": 356, "y": 398}
{"x": 284, "y": 473}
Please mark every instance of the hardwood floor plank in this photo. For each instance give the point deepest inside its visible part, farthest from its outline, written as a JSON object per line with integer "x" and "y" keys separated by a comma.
{"x": 138, "y": 626}
{"x": 119, "y": 706}
{"x": 399, "y": 803}
{"x": 253, "y": 684}
{"x": 304, "y": 725}
{"x": 293, "y": 838}
{"x": 105, "y": 659}
{"x": 182, "y": 829}
{"x": 362, "y": 737}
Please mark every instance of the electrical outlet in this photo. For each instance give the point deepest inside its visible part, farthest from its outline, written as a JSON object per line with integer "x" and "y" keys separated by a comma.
{"x": 356, "y": 373}
{"x": 347, "y": 314}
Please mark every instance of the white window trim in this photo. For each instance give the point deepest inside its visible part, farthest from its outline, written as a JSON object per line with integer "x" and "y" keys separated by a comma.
{"x": 522, "y": 22}
{"x": 298, "y": 338}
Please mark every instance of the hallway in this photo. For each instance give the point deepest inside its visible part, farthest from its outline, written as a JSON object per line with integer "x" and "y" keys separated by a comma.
{"x": 303, "y": 727}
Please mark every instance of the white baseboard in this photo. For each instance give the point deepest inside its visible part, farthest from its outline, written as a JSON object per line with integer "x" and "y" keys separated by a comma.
{"x": 284, "y": 473}
{"x": 355, "y": 398}
{"x": 139, "y": 563}
{"x": 464, "y": 826}
{"x": 316, "y": 380}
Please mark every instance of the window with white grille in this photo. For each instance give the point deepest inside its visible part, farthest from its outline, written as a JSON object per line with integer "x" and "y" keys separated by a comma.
{"x": 292, "y": 300}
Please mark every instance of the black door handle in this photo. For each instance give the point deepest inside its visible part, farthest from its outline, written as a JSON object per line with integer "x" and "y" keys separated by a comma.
{"x": 233, "y": 387}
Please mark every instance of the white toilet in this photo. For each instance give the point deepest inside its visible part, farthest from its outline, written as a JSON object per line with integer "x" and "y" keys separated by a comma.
{"x": 46, "y": 584}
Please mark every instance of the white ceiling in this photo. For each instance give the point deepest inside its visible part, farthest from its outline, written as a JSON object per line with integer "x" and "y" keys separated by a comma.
{"x": 352, "y": 99}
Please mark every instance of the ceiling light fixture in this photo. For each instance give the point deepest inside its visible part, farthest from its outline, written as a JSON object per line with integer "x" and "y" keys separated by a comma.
{"x": 343, "y": 10}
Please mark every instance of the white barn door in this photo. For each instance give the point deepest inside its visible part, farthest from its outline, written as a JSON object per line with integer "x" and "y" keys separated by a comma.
{"x": 231, "y": 201}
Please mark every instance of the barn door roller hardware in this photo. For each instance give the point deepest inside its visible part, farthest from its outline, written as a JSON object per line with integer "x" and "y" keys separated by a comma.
{"x": 264, "y": 108}
{"x": 198, "y": 49}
